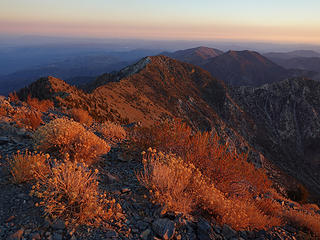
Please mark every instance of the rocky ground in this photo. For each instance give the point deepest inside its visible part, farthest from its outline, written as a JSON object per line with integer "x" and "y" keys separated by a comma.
{"x": 20, "y": 219}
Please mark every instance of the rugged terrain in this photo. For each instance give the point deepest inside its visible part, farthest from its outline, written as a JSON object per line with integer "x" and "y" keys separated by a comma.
{"x": 276, "y": 124}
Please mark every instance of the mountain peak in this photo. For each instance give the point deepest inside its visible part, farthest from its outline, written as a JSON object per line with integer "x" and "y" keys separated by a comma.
{"x": 195, "y": 55}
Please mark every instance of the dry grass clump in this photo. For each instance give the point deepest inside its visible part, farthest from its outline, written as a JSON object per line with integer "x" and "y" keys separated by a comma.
{"x": 28, "y": 119}
{"x": 63, "y": 136}
{"x": 111, "y": 132}
{"x": 25, "y": 166}
{"x": 71, "y": 193}
{"x": 229, "y": 171}
{"x": 179, "y": 186}
{"x": 81, "y": 116}
{"x": 42, "y": 106}
{"x": 13, "y": 97}
{"x": 311, "y": 221}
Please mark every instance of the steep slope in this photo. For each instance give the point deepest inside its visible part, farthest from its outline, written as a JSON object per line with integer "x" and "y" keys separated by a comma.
{"x": 287, "y": 115}
{"x": 277, "y": 124}
{"x": 238, "y": 68}
{"x": 195, "y": 56}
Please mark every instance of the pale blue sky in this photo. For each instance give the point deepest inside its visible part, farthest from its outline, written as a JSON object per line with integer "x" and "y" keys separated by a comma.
{"x": 272, "y": 20}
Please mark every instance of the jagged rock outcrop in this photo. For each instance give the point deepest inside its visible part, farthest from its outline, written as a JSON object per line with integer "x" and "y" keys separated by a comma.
{"x": 287, "y": 115}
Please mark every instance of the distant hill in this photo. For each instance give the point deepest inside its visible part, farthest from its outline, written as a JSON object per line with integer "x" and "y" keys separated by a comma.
{"x": 195, "y": 56}
{"x": 292, "y": 54}
{"x": 238, "y": 68}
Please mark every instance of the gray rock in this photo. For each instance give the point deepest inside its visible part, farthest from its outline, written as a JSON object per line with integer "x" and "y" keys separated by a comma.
{"x": 142, "y": 225}
{"x": 204, "y": 230}
{"x": 4, "y": 140}
{"x": 228, "y": 232}
{"x": 57, "y": 236}
{"x": 111, "y": 234}
{"x": 145, "y": 234}
{"x": 164, "y": 228}
{"x": 36, "y": 236}
{"x": 58, "y": 225}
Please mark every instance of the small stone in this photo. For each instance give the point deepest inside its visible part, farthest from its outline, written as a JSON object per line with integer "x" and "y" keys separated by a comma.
{"x": 110, "y": 178}
{"x": 228, "y": 232}
{"x": 58, "y": 225}
{"x": 57, "y": 236}
{"x": 111, "y": 234}
{"x": 204, "y": 230}
{"x": 142, "y": 225}
{"x": 164, "y": 228}
{"x": 145, "y": 234}
{"x": 17, "y": 235}
{"x": 73, "y": 237}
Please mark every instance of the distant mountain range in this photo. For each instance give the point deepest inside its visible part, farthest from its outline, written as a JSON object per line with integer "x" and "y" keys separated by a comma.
{"x": 246, "y": 68}
{"x": 277, "y": 124}
{"x": 75, "y": 70}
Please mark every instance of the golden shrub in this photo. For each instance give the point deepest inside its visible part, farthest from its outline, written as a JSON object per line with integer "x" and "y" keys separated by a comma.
{"x": 71, "y": 193}
{"x": 42, "y": 106}
{"x": 63, "y": 136}
{"x": 308, "y": 220}
{"x": 28, "y": 119}
{"x": 179, "y": 186}
{"x": 228, "y": 170}
{"x": 112, "y": 132}
{"x": 81, "y": 116}
{"x": 13, "y": 97}
{"x": 27, "y": 166}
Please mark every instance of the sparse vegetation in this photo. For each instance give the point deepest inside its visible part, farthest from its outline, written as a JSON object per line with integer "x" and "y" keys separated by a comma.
{"x": 63, "y": 136}
{"x": 111, "y": 132}
{"x": 26, "y": 166}
{"x": 81, "y": 116}
{"x": 28, "y": 119}
{"x": 181, "y": 187}
{"x": 71, "y": 193}
{"x": 42, "y": 106}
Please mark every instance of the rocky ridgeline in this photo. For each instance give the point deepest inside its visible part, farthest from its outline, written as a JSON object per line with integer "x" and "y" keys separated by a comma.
{"x": 20, "y": 219}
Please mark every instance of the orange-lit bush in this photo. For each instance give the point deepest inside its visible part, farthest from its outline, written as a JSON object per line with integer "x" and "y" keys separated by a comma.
{"x": 28, "y": 119}
{"x": 228, "y": 170}
{"x": 81, "y": 116}
{"x": 308, "y": 220}
{"x": 179, "y": 186}
{"x": 111, "y": 132}
{"x": 26, "y": 166}
{"x": 13, "y": 97}
{"x": 42, "y": 106}
{"x": 63, "y": 136}
{"x": 71, "y": 193}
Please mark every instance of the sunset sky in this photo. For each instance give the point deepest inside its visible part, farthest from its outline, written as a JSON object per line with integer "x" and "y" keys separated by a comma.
{"x": 291, "y": 21}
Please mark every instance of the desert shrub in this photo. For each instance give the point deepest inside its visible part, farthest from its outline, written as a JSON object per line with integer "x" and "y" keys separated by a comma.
{"x": 28, "y": 119}
{"x": 229, "y": 171}
{"x": 71, "y": 193}
{"x": 311, "y": 221}
{"x": 63, "y": 136}
{"x": 80, "y": 115}
{"x": 3, "y": 111}
{"x": 170, "y": 180}
{"x": 179, "y": 186}
{"x": 27, "y": 165}
{"x": 112, "y": 132}
{"x": 42, "y": 106}
{"x": 13, "y": 97}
